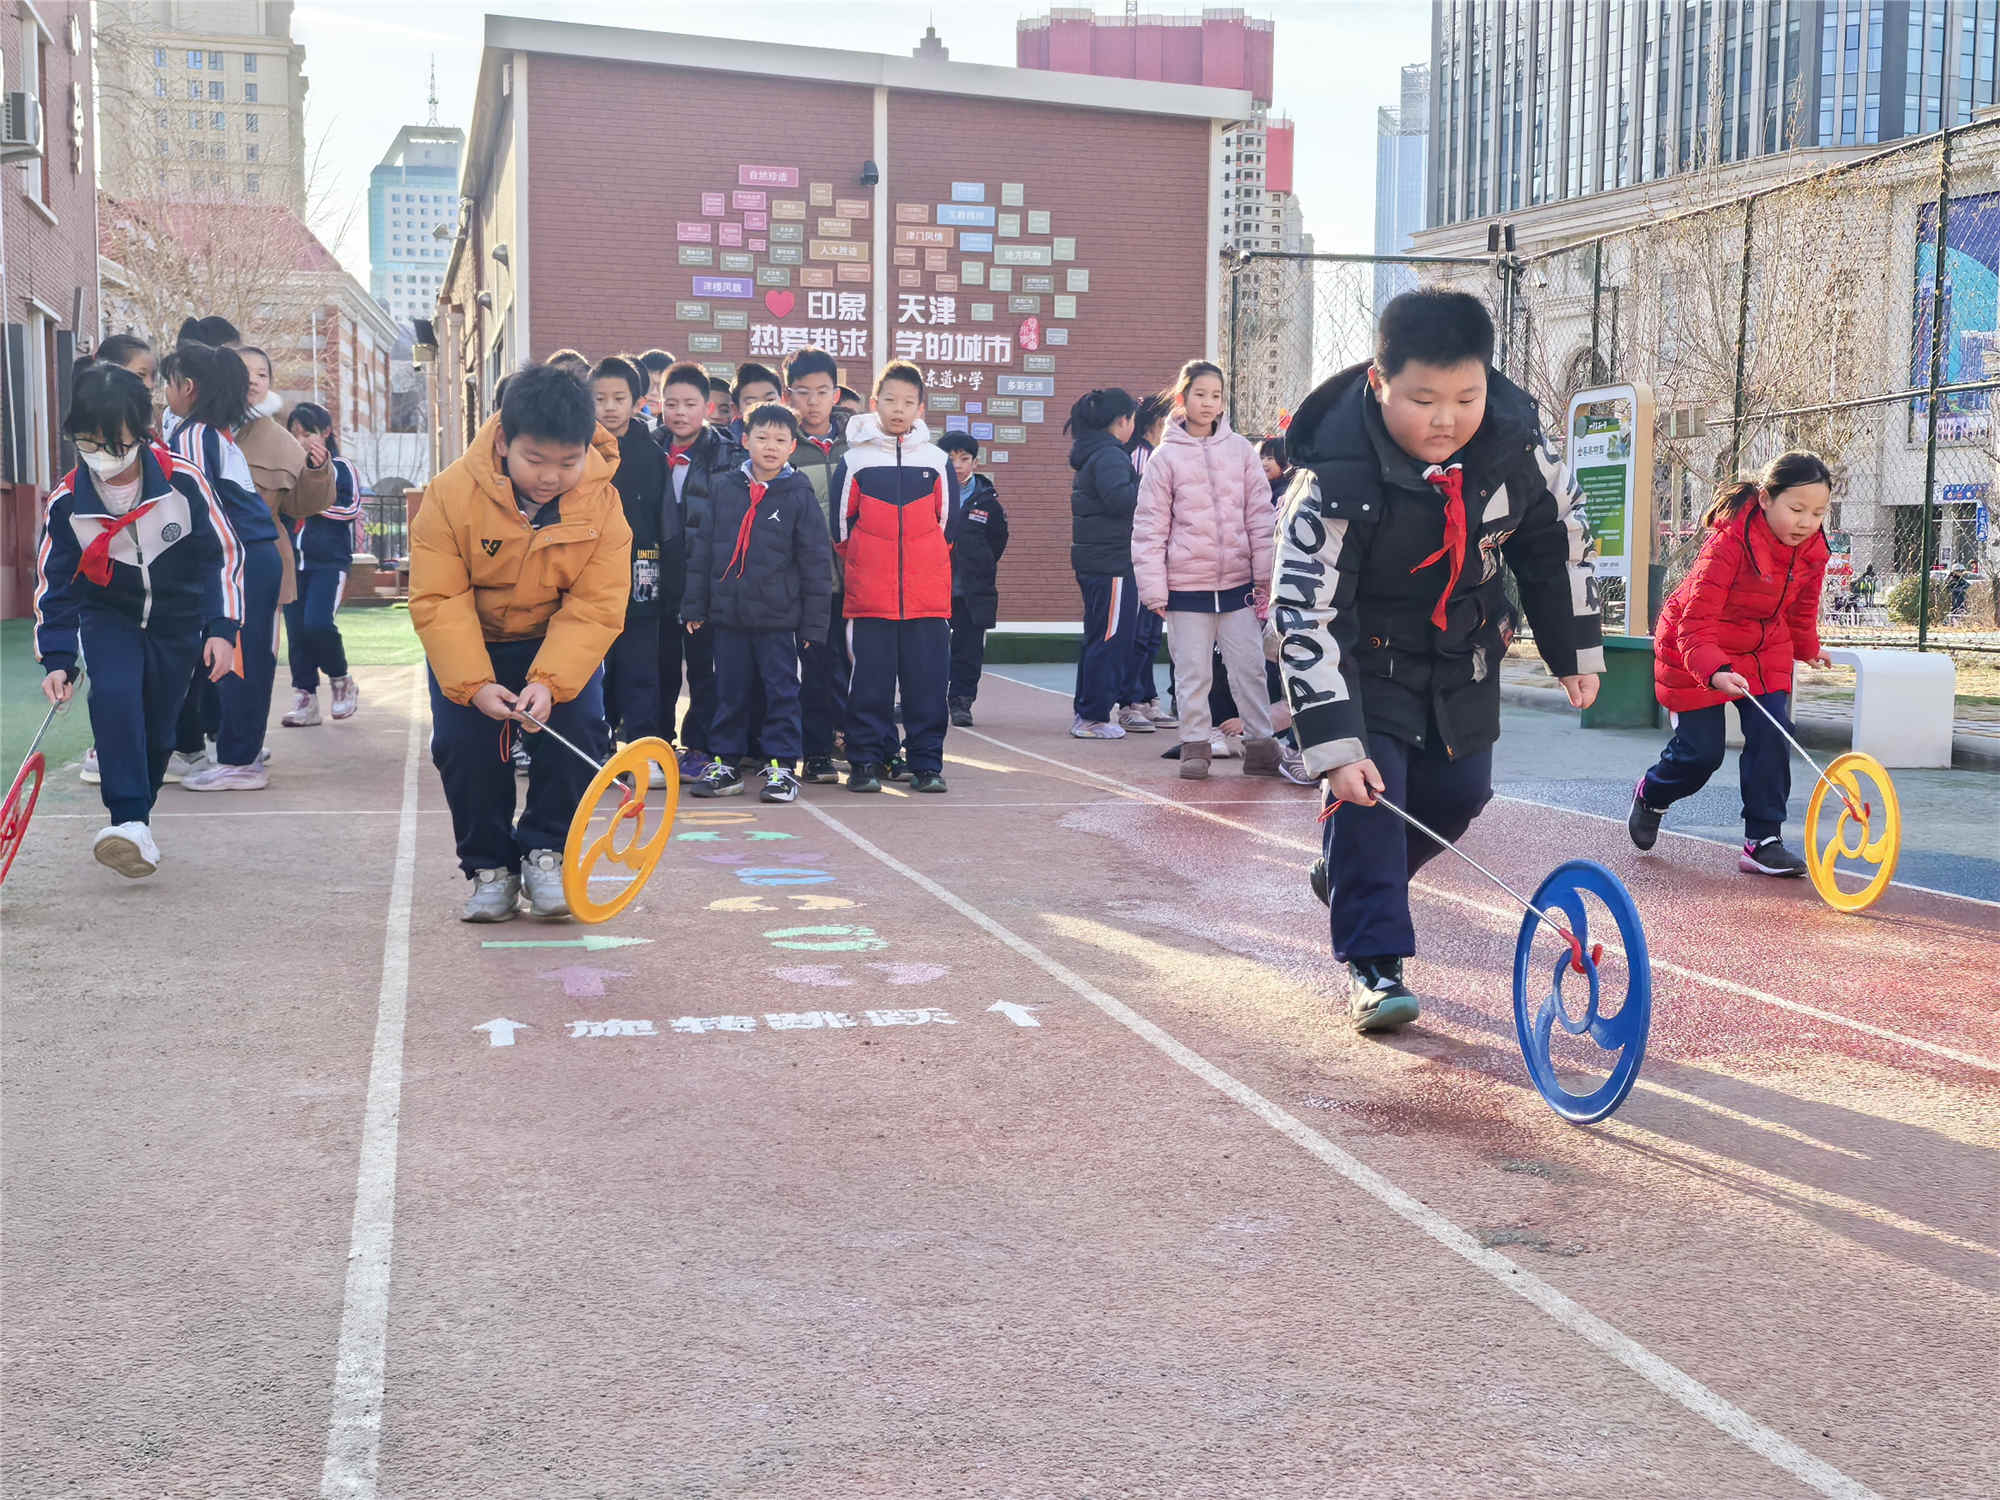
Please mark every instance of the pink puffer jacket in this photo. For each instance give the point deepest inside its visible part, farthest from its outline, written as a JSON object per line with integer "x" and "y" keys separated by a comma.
{"x": 1204, "y": 521}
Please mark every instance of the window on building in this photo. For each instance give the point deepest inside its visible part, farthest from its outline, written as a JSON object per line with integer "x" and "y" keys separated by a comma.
{"x": 250, "y": 123}
{"x": 215, "y": 92}
{"x": 159, "y": 57}
{"x": 250, "y": 152}
{"x": 194, "y": 58}
{"x": 218, "y": 121}
{"x": 215, "y": 62}
{"x": 249, "y": 93}
{"x": 249, "y": 62}
{"x": 218, "y": 152}
{"x": 159, "y": 88}
{"x": 253, "y": 183}
{"x": 194, "y": 88}
{"x": 161, "y": 148}
{"x": 195, "y": 119}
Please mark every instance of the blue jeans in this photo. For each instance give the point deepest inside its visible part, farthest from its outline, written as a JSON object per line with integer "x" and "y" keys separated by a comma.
{"x": 1695, "y": 753}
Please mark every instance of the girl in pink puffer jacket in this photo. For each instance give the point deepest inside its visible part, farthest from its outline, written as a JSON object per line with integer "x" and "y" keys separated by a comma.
{"x": 1201, "y": 554}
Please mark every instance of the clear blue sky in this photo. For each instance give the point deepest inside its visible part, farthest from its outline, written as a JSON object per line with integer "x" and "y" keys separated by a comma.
{"x": 1337, "y": 61}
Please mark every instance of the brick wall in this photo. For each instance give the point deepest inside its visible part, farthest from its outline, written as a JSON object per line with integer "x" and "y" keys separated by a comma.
{"x": 608, "y": 272}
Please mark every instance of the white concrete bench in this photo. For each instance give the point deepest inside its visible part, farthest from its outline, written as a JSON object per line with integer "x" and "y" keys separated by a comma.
{"x": 1903, "y": 705}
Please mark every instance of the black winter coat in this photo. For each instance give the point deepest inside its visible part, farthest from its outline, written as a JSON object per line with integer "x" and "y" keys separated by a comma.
{"x": 764, "y": 568}
{"x": 659, "y": 555}
{"x": 711, "y": 454}
{"x": 1101, "y": 501}
{"x": 1356, "y": 583}
{"x": 975, "y": 554}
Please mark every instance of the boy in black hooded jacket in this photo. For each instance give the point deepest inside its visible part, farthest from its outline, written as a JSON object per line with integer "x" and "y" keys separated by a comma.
{"x": 975, "y": 572}
{"x": 1415, "y": 475}
{"x": 760, "y": 580}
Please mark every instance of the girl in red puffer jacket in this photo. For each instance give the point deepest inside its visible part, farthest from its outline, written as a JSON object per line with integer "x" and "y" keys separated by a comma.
{"x": 1733, "y": 629}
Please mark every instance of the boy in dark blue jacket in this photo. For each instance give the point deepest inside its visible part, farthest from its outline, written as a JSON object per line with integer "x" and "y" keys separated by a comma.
{"x": 760, "y": 582}
{"x": 980, "y": 539}
{"x": 697, "y": 453}
{"x": 635, "y": 704}
{"x": 140, "y": 573}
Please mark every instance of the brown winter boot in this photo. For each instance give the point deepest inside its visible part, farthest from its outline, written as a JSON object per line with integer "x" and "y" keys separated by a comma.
{"x": 1194, "y": 760}
{"x": 1260, "y": 758}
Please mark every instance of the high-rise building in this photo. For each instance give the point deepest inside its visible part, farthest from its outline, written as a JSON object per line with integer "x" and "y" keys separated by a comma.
{"x": 411, "y": 193}
{"x": 202, "y": 98}
{"x": 1402, "y": 149}
{"x": 1260, "y": 213}
{"x": 1538, "y": 104}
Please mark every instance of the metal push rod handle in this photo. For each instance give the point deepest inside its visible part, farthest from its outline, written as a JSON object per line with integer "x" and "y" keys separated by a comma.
{"x": 1838, "y": 790}
{"x": 590, "y": 760}
{"x": 50, "y": 718}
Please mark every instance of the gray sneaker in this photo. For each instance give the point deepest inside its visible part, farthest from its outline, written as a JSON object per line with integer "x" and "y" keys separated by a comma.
{"x": 496, "y": 897}
{"x": 541, "y": 877}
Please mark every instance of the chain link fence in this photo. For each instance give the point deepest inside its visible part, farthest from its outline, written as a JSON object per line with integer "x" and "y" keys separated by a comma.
{"x": 1807, "y": 315}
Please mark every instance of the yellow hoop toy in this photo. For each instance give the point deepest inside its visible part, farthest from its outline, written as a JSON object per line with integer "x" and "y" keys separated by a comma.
{"x": 638, "y": 851}
{"x": 1878, "y": 815}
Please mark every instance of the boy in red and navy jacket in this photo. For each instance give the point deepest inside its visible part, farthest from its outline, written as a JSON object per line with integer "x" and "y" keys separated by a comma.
{"x": 893, "y": 523}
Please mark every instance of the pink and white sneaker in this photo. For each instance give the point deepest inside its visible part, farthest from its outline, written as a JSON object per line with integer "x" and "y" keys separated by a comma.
{"x": 304, "y": 712}
{"x": 227, "y": 779}
{"x": 346, "y": 697}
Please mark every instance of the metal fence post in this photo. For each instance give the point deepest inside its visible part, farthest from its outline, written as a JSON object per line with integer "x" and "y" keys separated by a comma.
{"x": 1596, "y": 304}
{"x": 1742, "y": 342}
{"x": 1937, "y": 370}
{"x": 1235, "y": 322}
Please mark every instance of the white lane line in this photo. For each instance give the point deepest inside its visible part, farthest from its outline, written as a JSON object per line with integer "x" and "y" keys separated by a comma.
{"x": 1694, "y": 838}
{"x": 274, "y": 812}
{"x": 354, "y": 1429}
{"x": 1677, "y": 1384}
{"x": 1693, "y": 976}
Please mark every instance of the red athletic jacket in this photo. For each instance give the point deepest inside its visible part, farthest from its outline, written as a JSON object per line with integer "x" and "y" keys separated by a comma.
{"x": 1751, "y": 605}
{"x": 896, "y": 513}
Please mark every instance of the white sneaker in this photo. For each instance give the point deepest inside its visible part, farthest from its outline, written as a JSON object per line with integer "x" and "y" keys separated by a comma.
{"x": 1135, "y": 720}
{"x": 1225, "y": 746}
{"x": 542, "y": 879}
{"x": 1164, "y": 718}
{"x": 227, "y": 779}
{"x": 1091, "y": 729}
{"x": 127, "y": 848}
{"x": 180, "y": 767}
{"x": 264, "y": 756}
{"x": 1292, "y": 765}
{"x": 89, "y": 775}
{"x": 304, "y": 712}
{"x": 346, "y": 697}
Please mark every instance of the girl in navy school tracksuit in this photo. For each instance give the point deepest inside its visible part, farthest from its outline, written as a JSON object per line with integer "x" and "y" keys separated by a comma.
{"x": 139, "y": 576}
{"x": 208, "y": 397}
{"x": 325, "y": 547}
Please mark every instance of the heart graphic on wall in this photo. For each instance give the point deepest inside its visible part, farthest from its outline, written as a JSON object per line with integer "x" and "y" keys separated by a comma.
{"x": 780, "y": 303}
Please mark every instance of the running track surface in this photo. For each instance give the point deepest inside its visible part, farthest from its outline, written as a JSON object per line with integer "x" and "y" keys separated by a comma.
{"x": 281, "y": 1221}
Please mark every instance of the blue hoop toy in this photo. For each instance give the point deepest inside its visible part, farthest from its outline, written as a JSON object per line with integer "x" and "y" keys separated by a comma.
{"x": 1624, "y": 1033}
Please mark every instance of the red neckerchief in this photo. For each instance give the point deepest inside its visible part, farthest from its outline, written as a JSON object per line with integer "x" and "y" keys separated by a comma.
{"x": 96, "y": 562}
{"x": 741, "y": 556}
{"x": 825, "y": 444}
{"x": 1451, "y": 484}
{"x": 678, "y": 457}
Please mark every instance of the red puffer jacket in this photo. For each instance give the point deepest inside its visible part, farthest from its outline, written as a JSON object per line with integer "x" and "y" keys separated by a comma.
{"x": 1751, "y": 605}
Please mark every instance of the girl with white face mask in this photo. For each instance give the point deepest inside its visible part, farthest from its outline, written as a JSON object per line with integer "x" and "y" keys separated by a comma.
{"x": 141, "y": 573}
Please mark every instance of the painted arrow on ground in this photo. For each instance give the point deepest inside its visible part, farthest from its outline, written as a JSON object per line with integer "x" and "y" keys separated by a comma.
{"x": 500, "y": 1031}
{"x": 583, "y": 981}
{"x": 1020, "y": 1015}
{"x": 590, "y": 943}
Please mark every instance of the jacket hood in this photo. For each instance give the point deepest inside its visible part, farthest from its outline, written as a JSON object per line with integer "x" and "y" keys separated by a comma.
{"x": 1087, "y": 442}
{"x": 600, "y": 462}
{"x": 1342, "y": 422}
{"x": 1177, "y": 434}
{"x": 866, "y": 427}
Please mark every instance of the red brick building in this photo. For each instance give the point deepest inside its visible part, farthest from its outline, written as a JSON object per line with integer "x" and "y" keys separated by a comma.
{"x": 48, "y": 269}
{"x": 1024, "y": 236}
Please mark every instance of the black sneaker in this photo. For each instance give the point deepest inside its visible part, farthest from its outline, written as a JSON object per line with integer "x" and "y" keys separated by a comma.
{"x": 821, "y": 771}
{"x": 898, "y": 769}
{"x": 522, "y": 762}
{"x": 864, "y": 776}
{"x": 961, "y": 713}
{"x": 1769, "y": 857}
{"x": 1317, "y": 878}
{"x": 1377, "y": 999}
{"x": 928, "y": 781}
{"x": 1643, "y": 822}
{"x": 718, "y": 779}
{"x": 779, "y": 784}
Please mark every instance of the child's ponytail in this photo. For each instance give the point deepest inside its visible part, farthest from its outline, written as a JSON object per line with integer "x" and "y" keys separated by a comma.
{"x": 1786, "y": 471}
{"x": 1096, "y": 410}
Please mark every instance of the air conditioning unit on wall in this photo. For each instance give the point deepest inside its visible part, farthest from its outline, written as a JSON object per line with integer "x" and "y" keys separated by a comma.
{"x": 21, "y": 128}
